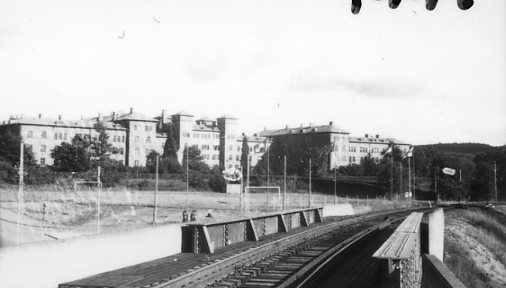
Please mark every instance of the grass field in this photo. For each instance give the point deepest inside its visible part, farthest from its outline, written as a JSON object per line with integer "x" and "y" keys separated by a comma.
{"x": 51, "y": 213}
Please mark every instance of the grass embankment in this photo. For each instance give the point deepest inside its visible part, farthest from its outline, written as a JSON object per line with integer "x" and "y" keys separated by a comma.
{"x": 475, "y": 245}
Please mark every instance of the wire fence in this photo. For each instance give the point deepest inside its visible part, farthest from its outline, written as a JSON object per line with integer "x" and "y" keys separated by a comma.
{"x": 60, "y": 205}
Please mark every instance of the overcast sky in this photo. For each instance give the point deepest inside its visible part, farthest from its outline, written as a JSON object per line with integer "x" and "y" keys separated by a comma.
{"x": 420, "y": 76}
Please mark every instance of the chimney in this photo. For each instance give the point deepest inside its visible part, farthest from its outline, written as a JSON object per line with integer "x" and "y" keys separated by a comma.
{"x": 163, "y": 116}
{"x": 286, "y": 127}
{"x": 131, "y": 110}
{"x": 59, "y": 117}
{"x": 366, "y": 135}
{"x": 98, "y": 118}
{"x": 113, "y": 116}
{"x": 377, "y": 136}
{"x": 331, "y": 123}
{"x": 255, "y": 134}
{"x": 40, "y": 115}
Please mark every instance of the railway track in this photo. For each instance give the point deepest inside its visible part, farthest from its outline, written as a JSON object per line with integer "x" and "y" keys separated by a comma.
{"x": 286, "y": 262}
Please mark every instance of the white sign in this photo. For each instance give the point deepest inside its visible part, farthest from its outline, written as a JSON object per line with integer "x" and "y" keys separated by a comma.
{"x": 449, "y": 171}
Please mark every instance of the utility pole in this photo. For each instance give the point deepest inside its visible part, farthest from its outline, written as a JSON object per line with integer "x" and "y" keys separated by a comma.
{"x": 495, "y": 180}
{"x": 392, "y": 175}
{"x": 335, "y": 185}
{"x": 187, "y": 175}
{"x": 268, "y": 168}
{"x": 310, "y": 200}
{"x": 241, "y": 191}
{"x": 284, "y": 184}
{"x": 436, "y": 170}
{"x": 460, "y": 185}
{"x": 414, "y": 175}
{"x": 156, "y": 191}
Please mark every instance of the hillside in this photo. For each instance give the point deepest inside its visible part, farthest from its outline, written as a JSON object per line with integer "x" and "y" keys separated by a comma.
{"x": 465, "y": 148}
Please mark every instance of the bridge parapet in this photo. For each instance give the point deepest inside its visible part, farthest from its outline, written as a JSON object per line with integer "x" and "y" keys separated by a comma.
{"x": 402, "y": 252}
{"x": 205, "y": 237}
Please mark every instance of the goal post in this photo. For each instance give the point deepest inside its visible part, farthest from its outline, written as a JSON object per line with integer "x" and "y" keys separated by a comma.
{"x": 268, "y": 190}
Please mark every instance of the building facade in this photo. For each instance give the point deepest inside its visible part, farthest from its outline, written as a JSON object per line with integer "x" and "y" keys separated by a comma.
{"x": 134, "y": 136}
{"x": 339, "y": 148}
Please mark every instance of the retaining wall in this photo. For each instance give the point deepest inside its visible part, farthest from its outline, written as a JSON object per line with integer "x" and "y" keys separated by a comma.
{"x": 46, "y": 264}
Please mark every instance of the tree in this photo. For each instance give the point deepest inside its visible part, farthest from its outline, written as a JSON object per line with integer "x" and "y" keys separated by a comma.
{"x": 10, "y": 149}
{"x": 195, "y": 160}
{"x": 72, "y": 157}
{"x": 171, "y": 146}
{"x": 151, "y": 161}
{"x": 245, "y": 152}
{"x": 101, "y": 148}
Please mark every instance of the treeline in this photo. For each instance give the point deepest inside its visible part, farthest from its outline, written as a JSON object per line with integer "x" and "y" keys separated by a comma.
{"x": 473, "y": 162}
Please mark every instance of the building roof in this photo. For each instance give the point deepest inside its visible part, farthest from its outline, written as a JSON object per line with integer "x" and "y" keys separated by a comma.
{"x": 303, "y": 130}
{"x": 134, "y": 116}
{"x": 82, "y": 123}
{"x": 378, "y": 140}
{"x": 184, "y": 113}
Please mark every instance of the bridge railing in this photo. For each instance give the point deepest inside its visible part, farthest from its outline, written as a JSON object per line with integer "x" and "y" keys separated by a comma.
{"x": 206, "y": 237}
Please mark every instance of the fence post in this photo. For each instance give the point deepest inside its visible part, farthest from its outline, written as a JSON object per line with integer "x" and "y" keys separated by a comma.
{"x": 99, "y": 188}
{"x": 19, "y": 226}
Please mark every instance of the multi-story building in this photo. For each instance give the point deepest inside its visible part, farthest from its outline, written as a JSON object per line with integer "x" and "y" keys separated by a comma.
{"x": 134, "y": 136}
{"x": 338, "y": 146}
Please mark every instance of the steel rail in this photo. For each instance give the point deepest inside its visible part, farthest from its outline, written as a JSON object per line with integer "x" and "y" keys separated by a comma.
{"x": 221, "y": 268}
{"x": 317, "y": 264}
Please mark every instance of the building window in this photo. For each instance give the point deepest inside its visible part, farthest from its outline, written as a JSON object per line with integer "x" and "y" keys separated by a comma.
{"x": 196, "y": 135}
{"x": 148, "y": 140}
{"x": 42, "y": 161}
{"x": 186, "y": 135}
{"x": 136, "y": 151}
{"x": 135, "y": 127}
{"x": 55, "y": 136}
{"x": 44, "y": 135}
{"x": 123, "y": 139}
{"x": 30, "y": 134}
{"x": 230, "y": 158}
{"x": 146, "y": 128}
{"x": 65, "y": 136}
{"x": 60, "y": 136}
{"x": 239, "y": 148}
{"x": 42, "y": 148}
{"x": 136, "y": 163}
{"x": 237, "y": 158}
{"x": 121, "y": 151}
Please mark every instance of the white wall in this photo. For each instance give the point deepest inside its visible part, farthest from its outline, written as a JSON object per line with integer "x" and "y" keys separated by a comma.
{"x": 47, "y": 264}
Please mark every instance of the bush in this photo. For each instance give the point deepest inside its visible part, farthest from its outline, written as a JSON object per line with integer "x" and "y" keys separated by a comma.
{"x": 217, "y": 183}
{"x": 198, "y": 181}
